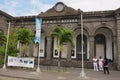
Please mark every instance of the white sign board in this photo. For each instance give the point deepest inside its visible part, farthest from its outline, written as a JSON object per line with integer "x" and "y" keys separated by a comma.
{"x": 20, "y": 62}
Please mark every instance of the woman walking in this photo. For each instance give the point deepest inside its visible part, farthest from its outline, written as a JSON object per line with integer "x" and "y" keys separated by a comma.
{"x": 106, "y": 66}
{"x": 100, "y": 63}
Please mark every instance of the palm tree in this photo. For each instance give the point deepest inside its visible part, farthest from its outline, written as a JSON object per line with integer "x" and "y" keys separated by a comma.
{"x": 25, "y": 37}
{"x": 62, "y": 36}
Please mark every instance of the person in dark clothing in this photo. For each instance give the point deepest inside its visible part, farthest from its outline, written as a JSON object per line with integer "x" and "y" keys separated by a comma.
{"x": 106, "y": 66}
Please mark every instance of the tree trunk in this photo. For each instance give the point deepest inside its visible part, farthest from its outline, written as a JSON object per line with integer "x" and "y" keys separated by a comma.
{"x": 59, "y": 59}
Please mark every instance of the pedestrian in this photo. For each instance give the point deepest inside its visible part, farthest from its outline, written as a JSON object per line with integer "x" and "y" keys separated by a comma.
{"x": 100, "y": 63}
{"x": 95, "y": 63}
{"x": 106, "y": 66}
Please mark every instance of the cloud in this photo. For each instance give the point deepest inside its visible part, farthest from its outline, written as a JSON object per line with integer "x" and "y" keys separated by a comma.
{"x": 39, "y": 6}
{"x": 93, "y": 5}
{"x": 34, "y": 7}
{"x": 9, "y": 6}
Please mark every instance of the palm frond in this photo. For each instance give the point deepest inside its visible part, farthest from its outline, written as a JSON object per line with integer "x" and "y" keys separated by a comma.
{"x": 62, "y": 36}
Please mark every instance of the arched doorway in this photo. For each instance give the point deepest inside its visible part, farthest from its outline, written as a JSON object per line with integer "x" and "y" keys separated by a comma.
{"x": 103, "y": 43}
{"x": 79, "y": 45}
{"x": 100, "y": 45}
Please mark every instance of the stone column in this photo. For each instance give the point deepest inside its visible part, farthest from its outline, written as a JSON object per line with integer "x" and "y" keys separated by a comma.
{"x": 91, "y": 42}
{"x": 49, "y": 48}
{"x": 115, "y": 50}
{"x": 118, "y": 41}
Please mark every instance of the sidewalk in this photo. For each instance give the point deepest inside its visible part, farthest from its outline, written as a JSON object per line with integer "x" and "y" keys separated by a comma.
{"x": 53, "y": 74}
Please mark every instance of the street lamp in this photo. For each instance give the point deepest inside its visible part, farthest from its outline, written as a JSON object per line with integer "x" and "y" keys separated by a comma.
{"x": 82, "y": 74}
{"x": 4, "y": 66}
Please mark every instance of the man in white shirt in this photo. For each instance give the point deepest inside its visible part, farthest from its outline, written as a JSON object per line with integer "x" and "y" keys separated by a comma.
{"x": 95, "y": 65}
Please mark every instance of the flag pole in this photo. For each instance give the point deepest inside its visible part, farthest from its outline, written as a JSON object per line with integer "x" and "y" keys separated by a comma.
{"x": 38, "y": 36}
{"x": 38, "y": 67}
{"x": 5, "y": 57}
{"x": 37, "y": 39}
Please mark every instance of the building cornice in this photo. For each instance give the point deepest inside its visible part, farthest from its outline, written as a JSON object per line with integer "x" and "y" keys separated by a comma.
{"x": 6, "y": 15}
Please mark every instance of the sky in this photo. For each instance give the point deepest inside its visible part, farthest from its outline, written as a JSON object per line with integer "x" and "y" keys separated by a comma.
{"x": 35, "y": 7}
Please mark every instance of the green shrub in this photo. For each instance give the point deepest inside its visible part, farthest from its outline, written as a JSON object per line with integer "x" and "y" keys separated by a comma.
{"x": 2, "y": 54}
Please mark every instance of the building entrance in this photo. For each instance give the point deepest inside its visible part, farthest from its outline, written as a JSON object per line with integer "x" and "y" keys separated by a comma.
{"x": 100, "y": 46}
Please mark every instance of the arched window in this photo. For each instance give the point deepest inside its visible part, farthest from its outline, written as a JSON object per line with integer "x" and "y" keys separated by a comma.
{"x": 79, "y": 47}
{"x": 99, "y": 39}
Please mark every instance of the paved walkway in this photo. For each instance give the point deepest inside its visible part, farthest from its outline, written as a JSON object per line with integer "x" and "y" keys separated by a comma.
{"x": 10, "y": 78}
{"x": 53, "y": 74}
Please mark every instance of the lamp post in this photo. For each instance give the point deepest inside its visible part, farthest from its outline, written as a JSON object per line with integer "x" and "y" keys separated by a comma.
{"x": 4, "y": 66}
{"x": 82, "y": 74}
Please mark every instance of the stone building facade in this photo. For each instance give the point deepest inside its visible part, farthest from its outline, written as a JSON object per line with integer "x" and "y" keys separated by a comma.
{"x": 101, "y": 34}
